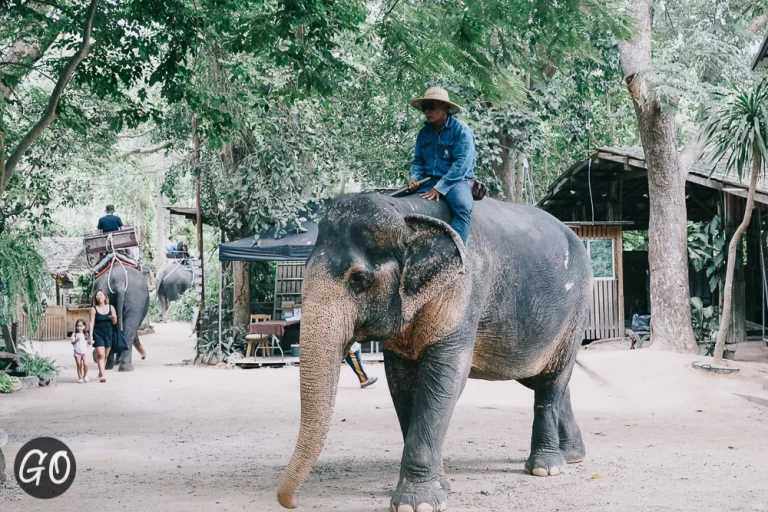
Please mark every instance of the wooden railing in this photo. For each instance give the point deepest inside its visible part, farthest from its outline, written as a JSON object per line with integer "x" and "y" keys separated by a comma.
{"x": 51, "y": 327}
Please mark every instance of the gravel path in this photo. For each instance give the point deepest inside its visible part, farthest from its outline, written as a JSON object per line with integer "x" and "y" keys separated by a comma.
{"x": 659, "y": 436}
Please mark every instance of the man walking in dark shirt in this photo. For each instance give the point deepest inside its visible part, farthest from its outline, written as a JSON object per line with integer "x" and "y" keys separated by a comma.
{"x": 110, "y": 222}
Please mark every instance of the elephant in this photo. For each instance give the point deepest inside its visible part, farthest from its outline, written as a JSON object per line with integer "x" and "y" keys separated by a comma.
{"x": 128, "y": 292}
{"x": 172, "y": 281}
{"x": 511, "y": 305}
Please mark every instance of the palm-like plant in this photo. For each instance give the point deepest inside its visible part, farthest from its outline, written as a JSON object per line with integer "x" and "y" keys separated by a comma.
{"x": 738, "y": 131}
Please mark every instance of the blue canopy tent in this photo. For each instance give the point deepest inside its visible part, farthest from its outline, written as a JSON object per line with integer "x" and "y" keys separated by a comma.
{"x": 295, "y": 245}
{"x": 291, "y": 247}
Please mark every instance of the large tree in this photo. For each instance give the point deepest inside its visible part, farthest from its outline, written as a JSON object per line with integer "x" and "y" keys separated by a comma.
{"x": 668, "y": 64}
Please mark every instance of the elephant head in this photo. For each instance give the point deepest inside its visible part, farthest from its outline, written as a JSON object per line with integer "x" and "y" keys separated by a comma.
{"x": 373, "y": 267}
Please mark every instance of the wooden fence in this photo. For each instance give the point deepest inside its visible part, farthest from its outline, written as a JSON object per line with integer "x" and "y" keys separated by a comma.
{"x": 51, "y": 327}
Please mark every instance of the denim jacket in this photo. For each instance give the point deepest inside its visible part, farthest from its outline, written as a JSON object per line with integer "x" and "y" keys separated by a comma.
{"x": 448, "y": 156}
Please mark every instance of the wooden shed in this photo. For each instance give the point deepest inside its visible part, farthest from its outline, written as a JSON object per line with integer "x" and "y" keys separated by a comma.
{"x": 605, "y": 196}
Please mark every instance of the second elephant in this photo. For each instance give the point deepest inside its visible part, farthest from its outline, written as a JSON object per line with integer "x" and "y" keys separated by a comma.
{"x": 172, "y": 281}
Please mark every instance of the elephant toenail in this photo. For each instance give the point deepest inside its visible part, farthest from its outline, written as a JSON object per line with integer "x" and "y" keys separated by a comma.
{"x": 405, "y": 508}
{"x": 554, "y": 471}
{"x": 425, "y": 507}
{"x": 443, "y": 507}
{"x": 538, "y": 472}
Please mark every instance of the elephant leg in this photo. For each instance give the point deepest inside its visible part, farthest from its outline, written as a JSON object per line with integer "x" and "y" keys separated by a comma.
{"x": 571, "y": 443}
{"x": 110, "y": 363}
{"x": 139, "y": 347}
{"x": 401, "y": 378}
{"x": 442, "y": 372}
{"x": 546, "y": 458}
{"x": 163, "y": 307}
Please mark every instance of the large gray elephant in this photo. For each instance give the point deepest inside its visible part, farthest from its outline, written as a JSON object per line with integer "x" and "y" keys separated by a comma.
{"x": 510, "y": 306}
{"x": 172, "y": 281}
{"x": 127, "y": 290}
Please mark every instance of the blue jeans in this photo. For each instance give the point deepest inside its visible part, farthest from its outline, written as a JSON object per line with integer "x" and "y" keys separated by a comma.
{"x": 353, "y": 360}
{"x": 461, "y": 202}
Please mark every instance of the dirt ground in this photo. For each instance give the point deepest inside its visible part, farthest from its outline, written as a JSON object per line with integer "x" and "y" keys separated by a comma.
{"x": 659, "y": 436}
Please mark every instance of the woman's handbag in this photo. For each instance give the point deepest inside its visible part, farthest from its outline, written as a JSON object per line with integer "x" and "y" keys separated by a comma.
{"x": 120, "y": 344}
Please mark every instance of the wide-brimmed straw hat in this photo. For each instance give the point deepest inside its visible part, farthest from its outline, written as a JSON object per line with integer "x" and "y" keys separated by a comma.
{"x": 436, "y": 94}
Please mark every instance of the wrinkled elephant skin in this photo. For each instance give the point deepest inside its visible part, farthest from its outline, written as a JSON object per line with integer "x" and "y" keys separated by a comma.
{"x": 172, "y": 281}
{"x": 512, "y": 305}
{"x": 131, "y": 302}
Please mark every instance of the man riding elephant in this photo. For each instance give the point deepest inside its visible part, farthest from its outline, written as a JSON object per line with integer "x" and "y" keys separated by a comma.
{"x": 511, "y": 305}
{"x": 444, "y": 153}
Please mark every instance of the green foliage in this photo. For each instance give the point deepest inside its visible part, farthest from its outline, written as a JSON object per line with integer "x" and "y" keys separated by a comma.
{"x": 9, "y": 384}
{"x": 35, "y": 365}
{"x": 23, "y": 276}
{"x": 707, "y": 249}
{"x": 705, "y": 322}
{"x": 232, "y": 341}
{"x": 738, "y": 127}
{"x": 635, "y": 241}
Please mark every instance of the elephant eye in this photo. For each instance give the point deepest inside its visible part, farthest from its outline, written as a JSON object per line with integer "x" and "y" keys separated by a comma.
{"x": 359, "y": 281}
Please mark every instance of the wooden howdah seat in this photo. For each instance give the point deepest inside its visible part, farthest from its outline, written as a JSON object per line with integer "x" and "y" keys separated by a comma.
{"x": 98, "y": 244}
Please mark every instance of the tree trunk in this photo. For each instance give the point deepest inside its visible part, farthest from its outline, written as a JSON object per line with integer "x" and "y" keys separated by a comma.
{"x": 159, "y": 221}
{"x": 520, "y": 186}
{"x": 241, "y": 300}
{"x": 506, "y": 170}
{"x": 725, "y": 318}
{"x": 737, "y": 328}
{"x": 667, "y": 236}
{"x": 10, "y": 342}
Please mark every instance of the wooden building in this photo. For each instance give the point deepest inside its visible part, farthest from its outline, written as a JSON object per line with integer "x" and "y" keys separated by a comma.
{"x": 65, "y": 259}
{"x": 606, "y": 196}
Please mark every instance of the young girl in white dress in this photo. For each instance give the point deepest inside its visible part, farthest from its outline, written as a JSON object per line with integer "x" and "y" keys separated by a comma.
{"x": 80, "y": 343}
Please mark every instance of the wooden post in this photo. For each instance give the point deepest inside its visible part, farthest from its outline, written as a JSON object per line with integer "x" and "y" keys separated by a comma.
{"x": 198, "y": 172}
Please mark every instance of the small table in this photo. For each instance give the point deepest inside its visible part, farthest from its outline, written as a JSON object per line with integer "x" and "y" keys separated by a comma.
{"x": 271, "y": 328}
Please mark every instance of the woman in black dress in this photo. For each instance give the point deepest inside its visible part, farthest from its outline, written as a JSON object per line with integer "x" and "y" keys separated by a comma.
{"x": 103, "y": 317}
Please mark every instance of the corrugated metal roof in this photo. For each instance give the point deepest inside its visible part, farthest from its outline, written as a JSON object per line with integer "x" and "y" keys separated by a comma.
{"x": 702, "y": 172}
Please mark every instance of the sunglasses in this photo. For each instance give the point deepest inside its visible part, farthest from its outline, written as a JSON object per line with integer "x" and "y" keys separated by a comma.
{"x": 428, "y": 105}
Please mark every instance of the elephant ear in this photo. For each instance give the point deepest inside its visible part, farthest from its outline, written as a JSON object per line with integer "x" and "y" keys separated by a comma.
{"x": 434, "y": 259}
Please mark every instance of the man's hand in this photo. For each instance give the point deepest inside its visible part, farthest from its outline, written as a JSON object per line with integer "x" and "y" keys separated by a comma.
{"x": 413, "y": 184}
{"x": 431, "y": 194}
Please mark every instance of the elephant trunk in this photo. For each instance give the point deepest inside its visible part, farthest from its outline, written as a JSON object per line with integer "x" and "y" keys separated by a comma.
{"x": 324, "y": 337}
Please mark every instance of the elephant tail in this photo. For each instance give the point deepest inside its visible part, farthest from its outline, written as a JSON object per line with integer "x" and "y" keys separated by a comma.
{"x": 592, "y": 374}
{"x": 158, "y": 284}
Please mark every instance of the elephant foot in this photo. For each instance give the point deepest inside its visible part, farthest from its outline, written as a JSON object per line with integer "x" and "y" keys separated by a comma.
{"x": 444, "y": 483}
{"x": 126, "y": 367}
{"x": 419, "y": 497}
{"x": 543, "y": 463}
{"x": 573, "y": 453}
